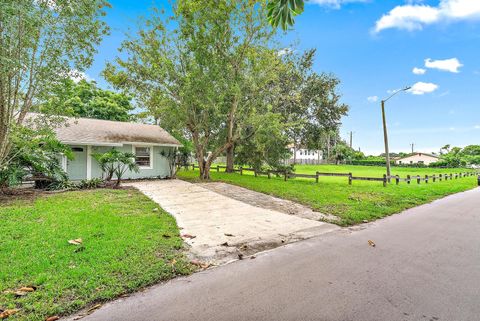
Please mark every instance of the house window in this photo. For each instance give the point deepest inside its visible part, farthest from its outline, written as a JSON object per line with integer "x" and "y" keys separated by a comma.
{"x": 143, "y": 156}
{"x": 77, "y": 149}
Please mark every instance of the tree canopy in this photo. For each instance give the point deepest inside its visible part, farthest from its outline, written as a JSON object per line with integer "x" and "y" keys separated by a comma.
{"x": 85, "y": 99}
{"x": 42, "y": 41}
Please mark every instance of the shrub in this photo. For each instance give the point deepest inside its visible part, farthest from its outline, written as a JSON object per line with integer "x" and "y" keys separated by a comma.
{"x": 116, "y": 163}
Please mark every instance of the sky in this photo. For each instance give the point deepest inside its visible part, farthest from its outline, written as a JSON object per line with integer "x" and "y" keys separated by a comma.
{"x": 376, "y": 47}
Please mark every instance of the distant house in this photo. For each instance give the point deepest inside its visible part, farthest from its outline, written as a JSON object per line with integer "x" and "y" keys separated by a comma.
{"x": 305, "y": 156}
{"x": 417, "y": 158}
{"x": 88, "y": 136}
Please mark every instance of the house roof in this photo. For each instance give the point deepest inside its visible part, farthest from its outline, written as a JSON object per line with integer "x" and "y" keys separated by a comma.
{"x": 417, "y": 154}
{"x": 105, "y": 132}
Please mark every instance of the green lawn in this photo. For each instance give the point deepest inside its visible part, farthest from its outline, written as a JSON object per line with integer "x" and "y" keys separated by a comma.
{"x": 352, "y": 204}
{"x": 127, "y": 245}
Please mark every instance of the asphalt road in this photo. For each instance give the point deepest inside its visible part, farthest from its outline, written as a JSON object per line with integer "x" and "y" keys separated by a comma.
{"x": 425, "y": 266}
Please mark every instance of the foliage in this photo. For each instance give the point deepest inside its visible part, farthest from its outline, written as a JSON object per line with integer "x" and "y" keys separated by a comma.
{"x": 85, "y": 99}
{"x": 308, "y": 102}
{"x": 116, "y": 163}
{"x": 204, "y": 74}
{"x": 42, "y": 41}
{"x": 34, "y": 152}
{"x": 127, "y": 246}
{"x": 282, "y": 12}
{"x": 90, "y": 183}
{"x": 351, "y": 203}
{"x": 172, "y": 156}
{"x": 456, "y": 156}
{"x": 267, "y": 146}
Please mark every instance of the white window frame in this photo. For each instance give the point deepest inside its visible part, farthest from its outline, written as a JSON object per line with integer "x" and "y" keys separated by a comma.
{"x": 151, "y": 155}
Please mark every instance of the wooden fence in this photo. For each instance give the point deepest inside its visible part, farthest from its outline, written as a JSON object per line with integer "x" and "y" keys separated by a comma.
{"x": 385, "y": 179}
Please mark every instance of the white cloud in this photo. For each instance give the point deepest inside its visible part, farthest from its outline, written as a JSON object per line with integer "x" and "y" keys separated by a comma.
{"x": 419, "y": 71}
{"x": 416, "y": 16}
{"x": 76, "y": 76}
{"x": 334, "y": 3}
{"x": 284, "y": 51}
{"x": 451, "y": 65}
{"x": 421, "y": 88}
{"x": 372, "y": 99}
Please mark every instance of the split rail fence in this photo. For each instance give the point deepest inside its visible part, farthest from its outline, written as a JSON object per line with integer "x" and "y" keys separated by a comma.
{"x": 409, "y": 179}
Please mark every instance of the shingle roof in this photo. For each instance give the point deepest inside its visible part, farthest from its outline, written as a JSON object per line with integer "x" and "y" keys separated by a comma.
{"x": 91, "y": 131}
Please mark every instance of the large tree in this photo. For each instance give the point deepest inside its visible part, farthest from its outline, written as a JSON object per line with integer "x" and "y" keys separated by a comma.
{"x": 202, "y": 72}
{"x": 41, "y": 41}
{"x": 85, "y": 99}
{"x": 309, "y": 102}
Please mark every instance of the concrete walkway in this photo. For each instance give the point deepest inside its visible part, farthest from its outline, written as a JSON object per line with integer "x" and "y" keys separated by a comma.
{"x": 224, "y": 228}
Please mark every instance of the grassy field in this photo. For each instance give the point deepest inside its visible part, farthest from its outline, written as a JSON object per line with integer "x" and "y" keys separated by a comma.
{"x": 126, "y": 245}
{"x": 352, "y": 204}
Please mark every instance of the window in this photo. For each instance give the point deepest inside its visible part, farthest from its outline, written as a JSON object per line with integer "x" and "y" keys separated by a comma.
{"x": 77, "y": 149}
{"x": 143, "y": 157}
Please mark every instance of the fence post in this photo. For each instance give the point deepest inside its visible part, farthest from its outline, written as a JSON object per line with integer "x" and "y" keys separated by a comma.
{"x": 418, "y": 179}
{"x": 193, "y": 167}
{"x": 241, "y": 170}
{"x": 426, "y": 179}
{"x": 478, "y": 180}
{"x": 218, "y": 168}
{"x": 408, "y": 179}
{"x": 285, "y": 176}
{"x": 255, "y": 172}
{"x": 440, "y": 177}
{"x": 316, "y": 177}
{"x": 384, "y": 180}
{"x": 349, "y": 178}
{"x": 397, "y": 179}
{"x": 434, "y": 177}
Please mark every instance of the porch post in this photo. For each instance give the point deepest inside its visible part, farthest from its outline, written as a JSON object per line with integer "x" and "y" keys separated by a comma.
{"x": 89, "y": 162}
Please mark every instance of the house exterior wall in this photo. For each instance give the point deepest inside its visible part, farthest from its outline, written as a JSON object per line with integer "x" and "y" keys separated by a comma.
{"x": 416, "y": 159}
{"x": 77, "y": 169}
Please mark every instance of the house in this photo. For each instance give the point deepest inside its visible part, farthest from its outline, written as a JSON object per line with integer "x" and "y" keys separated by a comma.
{"x": 305, "y": 156}
{"x": 417, "y": 158}
{"x": 88, "y": 136}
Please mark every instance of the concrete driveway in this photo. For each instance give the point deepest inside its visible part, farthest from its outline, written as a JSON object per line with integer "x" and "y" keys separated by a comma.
{"x": 224, "y": 228}
{"x": 425, "y": 266}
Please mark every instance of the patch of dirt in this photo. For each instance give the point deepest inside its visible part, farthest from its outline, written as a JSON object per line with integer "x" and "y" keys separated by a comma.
{"x": 268, "y": 202}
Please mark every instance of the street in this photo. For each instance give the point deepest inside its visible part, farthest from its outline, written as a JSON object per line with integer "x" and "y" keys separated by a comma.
{"x": 425, "y": 266}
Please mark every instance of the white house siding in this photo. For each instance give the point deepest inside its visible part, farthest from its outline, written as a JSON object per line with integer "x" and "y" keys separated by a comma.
{"x": 417, "y": 159}
{"x": 305, "y": 156}
{"x": 160, "y": 167}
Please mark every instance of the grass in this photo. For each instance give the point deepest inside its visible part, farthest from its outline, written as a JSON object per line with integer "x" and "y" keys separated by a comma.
{"x": 127, "y": 245}
{"x": 352, "y": 204}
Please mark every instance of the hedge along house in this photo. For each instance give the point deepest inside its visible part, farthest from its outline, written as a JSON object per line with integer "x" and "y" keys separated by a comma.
{"x": 149, "y": 144}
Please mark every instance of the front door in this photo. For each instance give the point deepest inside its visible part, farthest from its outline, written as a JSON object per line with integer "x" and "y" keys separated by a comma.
{"x": 77, "y": 168}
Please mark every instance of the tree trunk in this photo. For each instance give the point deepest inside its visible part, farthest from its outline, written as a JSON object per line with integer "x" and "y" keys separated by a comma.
{"x": 230, "y": 152}
{"x": 294, "y": 154}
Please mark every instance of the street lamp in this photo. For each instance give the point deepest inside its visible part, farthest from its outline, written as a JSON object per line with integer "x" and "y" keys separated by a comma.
{"x": 385, "y": 136}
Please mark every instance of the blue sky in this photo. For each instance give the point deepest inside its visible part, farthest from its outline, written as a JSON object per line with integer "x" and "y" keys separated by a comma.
{"x": 373, "y": 47}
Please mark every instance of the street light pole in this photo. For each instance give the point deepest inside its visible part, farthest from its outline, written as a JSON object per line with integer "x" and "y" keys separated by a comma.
{"x": 385, "y": 134}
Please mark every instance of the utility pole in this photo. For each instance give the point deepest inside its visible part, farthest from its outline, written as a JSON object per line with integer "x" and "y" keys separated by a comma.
{"x": 351, "y": 139}
{"x": 385, "y": 135}
{"x": 413, "y": 145}
{"x": 385, "y": 139}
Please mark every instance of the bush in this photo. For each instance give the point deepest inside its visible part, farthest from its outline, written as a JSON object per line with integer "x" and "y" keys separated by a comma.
{"x": 90, "y": 184}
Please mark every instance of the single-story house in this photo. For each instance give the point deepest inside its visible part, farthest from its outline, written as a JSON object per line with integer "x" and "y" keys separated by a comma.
{"x": 303, "y": 155}
{"x": 88, "y": 136}
{"x": 417, "y": 158}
